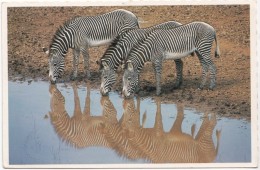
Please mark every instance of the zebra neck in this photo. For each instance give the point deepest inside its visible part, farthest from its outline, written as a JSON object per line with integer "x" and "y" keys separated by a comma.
{"x": 138, "y": 61}
{"x": 138, "y": 66}
{"x": 116, "y": 56}
{"x": 123, "y": 50}
{"x": 63, "y": 40}
{"x": 126, "y": 49}
{"x": 115, "y": 66}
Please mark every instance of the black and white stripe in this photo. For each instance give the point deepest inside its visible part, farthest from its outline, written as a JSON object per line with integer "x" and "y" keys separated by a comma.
{"x": 172, "y": 44}
{"x": 80, "y": 33}
{"x": 118, "y": 51}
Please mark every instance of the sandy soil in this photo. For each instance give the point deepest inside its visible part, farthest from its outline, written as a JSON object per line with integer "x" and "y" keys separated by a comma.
{"x": 30, "y": 29}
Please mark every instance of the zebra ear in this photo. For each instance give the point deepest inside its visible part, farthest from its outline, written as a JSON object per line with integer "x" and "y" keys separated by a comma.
{"x": 105, "y": 65}
{"x": 46, "y": 50}
{"x": 130, "y": 66}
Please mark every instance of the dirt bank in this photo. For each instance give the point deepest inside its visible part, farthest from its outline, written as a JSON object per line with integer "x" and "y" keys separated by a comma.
{"x": 30, "y": 29}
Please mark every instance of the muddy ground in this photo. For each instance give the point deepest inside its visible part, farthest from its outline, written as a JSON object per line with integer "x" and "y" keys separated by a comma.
{"x": 30, "y": 29}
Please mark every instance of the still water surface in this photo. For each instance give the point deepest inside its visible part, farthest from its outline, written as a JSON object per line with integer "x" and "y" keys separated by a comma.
{"x": 75, "y": 125}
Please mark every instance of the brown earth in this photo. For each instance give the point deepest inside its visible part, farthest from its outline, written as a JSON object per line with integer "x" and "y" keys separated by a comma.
{"x": 30, "y": 29}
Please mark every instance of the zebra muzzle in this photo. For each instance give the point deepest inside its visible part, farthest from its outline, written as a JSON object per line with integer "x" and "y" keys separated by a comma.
{"x": 53, "y": 81}
{"x": 104, "y": 92}
{"x": 126, "y": 94}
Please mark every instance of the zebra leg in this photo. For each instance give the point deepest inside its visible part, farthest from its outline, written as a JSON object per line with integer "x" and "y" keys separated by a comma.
{"x": 207, "y": 62}
{"x": 179, "y": 68}
{"x": 158, "y": 69}
{"x": 76, "y": 53}
{"x": 204, "y": 70}
{"x": 213, "y": 72}
{"x": 86, "y": 62}
{"x": 138, "y": 87}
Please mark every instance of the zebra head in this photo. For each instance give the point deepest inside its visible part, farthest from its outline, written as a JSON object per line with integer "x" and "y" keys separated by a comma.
{"x": 130, "y": 80}
{"x": 57, "y": 103}
{"x": 108, "y": 78}
{"x": 56, "y": 65}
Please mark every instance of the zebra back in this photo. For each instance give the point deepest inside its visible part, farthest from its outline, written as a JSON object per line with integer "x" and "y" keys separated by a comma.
{"x": 118, "y": 50}
{"x": 178, "y": 40}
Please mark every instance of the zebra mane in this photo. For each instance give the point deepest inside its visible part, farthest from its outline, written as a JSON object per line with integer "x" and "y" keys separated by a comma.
{"x": 119, "y": 37}
{"x": 66, "y": 24}
{"x": 113, "y": 44}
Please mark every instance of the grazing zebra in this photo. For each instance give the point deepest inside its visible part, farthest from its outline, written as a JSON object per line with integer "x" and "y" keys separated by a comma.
{"x": 175, "y": 146}
{"x": 171, "y": 44}
{"x": 80, "y": 33}
{"x": 81, "y": 130}
{"x": 119, "y": 50}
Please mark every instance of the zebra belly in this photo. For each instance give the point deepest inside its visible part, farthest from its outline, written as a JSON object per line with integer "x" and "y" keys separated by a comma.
{"x": 174, "y": 55}
{"x": 95, "y": 43}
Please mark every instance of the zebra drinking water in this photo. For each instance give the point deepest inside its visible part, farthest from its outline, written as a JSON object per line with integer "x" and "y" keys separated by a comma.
{"x": 172, "y": 44}
{"x": 119, "y": 50}
{"x": 80, "y": 33}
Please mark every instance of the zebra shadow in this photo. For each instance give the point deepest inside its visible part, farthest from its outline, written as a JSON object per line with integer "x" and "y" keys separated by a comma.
{"x": 80, "y": 130}
{"x": 174, "y": 146}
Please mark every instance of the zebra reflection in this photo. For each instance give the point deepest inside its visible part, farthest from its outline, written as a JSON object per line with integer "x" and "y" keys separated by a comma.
{"x": 174, "y": 146}
{"x": 82, "y": 129}
{"x": 127, "y": 137}
{"x": 119, "y": 137}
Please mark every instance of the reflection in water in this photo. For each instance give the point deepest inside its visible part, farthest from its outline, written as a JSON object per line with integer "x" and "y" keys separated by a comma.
{"x": 127, "y": 137}
{"x": 174, "y": 146}
{"x": 82, "y": 129}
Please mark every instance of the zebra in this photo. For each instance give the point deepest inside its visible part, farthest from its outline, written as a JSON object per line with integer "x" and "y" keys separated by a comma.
{"x": 118, "y": 51}
{"x": 172, "y": 44}
{"x": 80, "y": 33}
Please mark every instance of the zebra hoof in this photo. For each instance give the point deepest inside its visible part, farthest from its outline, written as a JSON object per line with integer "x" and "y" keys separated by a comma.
{"x": 138, "y": 89}
{"x": 89, "y": 76}
{"x": 72, "y": 78}
{"x": 211, "y": 88}
{"x": 177, "y": 86}
{"x": 200, "y": 88}
{"x": 158, "y": 93}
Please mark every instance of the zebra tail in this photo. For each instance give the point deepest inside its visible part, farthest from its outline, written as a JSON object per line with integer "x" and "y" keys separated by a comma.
{"x": 217, "y": 52}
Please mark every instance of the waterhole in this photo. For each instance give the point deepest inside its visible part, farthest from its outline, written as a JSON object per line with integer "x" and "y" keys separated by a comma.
{"x": 69, "y": 124}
